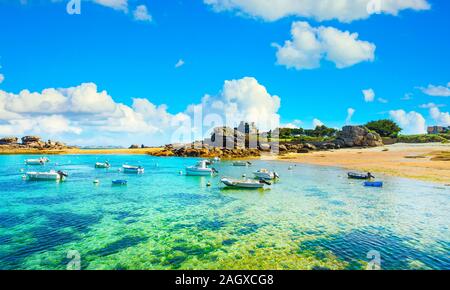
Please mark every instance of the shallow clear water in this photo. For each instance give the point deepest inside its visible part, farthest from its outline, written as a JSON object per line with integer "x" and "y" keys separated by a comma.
{"x": 314, "y": 217}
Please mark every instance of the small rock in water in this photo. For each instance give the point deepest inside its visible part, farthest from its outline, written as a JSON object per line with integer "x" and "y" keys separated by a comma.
{"x": 208, "y": 184}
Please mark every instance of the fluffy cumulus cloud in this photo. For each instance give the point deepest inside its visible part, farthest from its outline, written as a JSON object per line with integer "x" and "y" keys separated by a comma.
{"x": 310, "y": 45}
{"x": 295, "y": 124}
{"x": 437, "y": 91}
{"x": 441, "y": 118}
{"x": 342, "y": 10}
{"x": 350, "y": 113}
{"x": 85, "y": 115}
{"x": 410, "y": 122}
{"x": 82, "y": 110}
{"x": 179, "y": 63}
{"x": 240, "y": 100}
{"x": 141, "y": 13}
{"x": 317, "y": 122}
{"x": 369, "y": 95}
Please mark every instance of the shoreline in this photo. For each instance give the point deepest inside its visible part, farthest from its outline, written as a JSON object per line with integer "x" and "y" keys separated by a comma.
{"x": 426, "y": 162}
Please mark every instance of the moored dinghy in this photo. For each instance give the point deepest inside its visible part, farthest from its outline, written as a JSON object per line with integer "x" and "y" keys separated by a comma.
{"x": 246, "y": 183}
{"x": 373, "y": 184}
{"x": 102, "y": 165}
{"x": 132, "y": 169}
{"x": 119, "y": 182}
{"x": 40, "y": 161}
{"x": 51, "y": 175}
{"x": 355, "y": 175}
{"x": 265, "y": 174}
{"x": 200, "y": 169}
{"x": 241, "y": 163}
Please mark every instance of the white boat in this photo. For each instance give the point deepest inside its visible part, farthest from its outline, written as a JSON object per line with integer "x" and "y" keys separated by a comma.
{"x": 51, "y": 175}
{"x": 200, "y": 169}
{"x": 241, "y": 163}
{"x": 133, "y": 169}
{"x": 102, "y": 165}
{"x": 265, "y": 174}
{"x": 246, "y": 183}
{"x": 40, "y": 161}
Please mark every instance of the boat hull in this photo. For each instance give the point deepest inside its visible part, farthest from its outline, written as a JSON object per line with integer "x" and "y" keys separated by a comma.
{"x": 261, "y": 175}
{"x": 135, "y": 170}
{"x": 34, "y": 162}
{"x": 243, "y": 185}
{"x": 44, "y": 176}
{"x": 373, "y": 184}
{"x": 102, "y": 165}
{"x": 192, "y": 171}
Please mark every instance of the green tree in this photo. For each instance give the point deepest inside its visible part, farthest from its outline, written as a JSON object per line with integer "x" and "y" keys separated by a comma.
{"x": 386, "y": 128}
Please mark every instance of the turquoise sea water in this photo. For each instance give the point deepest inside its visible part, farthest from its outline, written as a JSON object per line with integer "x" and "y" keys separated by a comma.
{"x": 314, "y": 217}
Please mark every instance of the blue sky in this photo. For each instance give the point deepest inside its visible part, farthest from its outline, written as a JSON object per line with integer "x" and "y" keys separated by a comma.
{"x": 42, "y": 46}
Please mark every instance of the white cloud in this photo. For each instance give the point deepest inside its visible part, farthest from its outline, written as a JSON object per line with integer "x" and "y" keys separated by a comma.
{"x": 242, "y": 100}
{"x": 83, "y": 110}
{"x": 316, "y": 123}
{"x": 2, "y": 78}
{"x": 310, "y": 45}
{"x": 343, "y": 10}
{"x": 83, "y": 114}
{"x": 431, "y": 105}
{"x": 115, "y": 4}
{"x": 437, "y": 91}
{"x": 384, "y": 101}
{"x": 141, "y": 14}
{"x": 442, "y": 118}
{"x": 369, "y": 95}
{"x": 53, "y": 124}
{"x": 350, "y": 113}
{"x": 180, "y": 63}
{"x": 407, "y": 97}
{"x": 411, "y": 122}
{"x": 292, "y": 125}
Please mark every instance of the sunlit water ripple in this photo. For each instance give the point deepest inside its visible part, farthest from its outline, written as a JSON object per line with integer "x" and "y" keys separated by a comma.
{"x": 313, "y": 218}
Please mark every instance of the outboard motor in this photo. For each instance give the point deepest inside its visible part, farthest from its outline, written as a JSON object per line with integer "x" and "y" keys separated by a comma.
{"x": 276, "y": 175}
{"x": 62, "y": 174}
{"x": 265, "y": 182}
{"x": 215, "y": 170}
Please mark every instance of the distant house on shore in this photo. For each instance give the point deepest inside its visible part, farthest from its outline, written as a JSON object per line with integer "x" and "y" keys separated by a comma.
{"x": 438, "y": 129}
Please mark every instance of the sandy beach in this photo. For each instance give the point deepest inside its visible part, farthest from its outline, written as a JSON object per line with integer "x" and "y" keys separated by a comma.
{"x": 427, "y": 162}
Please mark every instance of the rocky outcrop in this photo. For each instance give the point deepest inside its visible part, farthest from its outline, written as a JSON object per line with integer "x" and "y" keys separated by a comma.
{"x": 206, "y": 152}
{"x": 31, "y": 142}
{"x": 358, "y": 136}
{"x": 8, "y": 140}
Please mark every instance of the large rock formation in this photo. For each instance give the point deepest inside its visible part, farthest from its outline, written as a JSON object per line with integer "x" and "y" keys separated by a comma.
{"x": 30, "y": 142}
{"x": 359, "y": 136}
{"x": 9, "y": 140}
{"x": 192, "y": 150}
